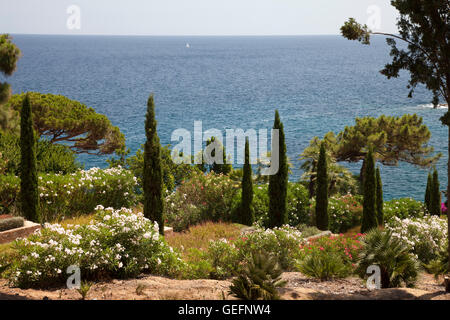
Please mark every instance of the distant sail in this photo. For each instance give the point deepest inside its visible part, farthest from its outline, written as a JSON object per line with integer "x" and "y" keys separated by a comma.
{"x": 188, "y": 45}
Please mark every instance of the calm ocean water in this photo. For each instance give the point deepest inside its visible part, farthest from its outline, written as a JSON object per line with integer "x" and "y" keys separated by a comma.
{"x": 318, "y": 84}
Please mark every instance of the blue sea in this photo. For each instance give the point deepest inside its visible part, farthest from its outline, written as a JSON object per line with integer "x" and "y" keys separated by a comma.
{"x": 318, "y": 84}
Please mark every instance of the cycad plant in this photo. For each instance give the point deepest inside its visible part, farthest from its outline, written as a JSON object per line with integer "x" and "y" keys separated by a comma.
{"x": 391, "y": 254}
{"x": 259, "y": 279}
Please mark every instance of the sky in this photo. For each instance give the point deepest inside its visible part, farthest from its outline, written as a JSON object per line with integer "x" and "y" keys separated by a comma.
{"x": 191, "y": 17}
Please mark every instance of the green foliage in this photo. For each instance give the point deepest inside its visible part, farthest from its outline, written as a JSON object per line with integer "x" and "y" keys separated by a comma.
{"x": 369, "y": 218}
{"x": 352, "y": 30}
{"x": 428, "y": 192}
{"x": 278, "y": 182}
{"x": 403, "y": 208}
{"x": 345, "y": 212}
{"x": 9, "y": 55}
{"x": 64, "y": 120}
{"x": 202, "y": 198}
{"x": 260, "y": 279}
{"x": 323, "y": 265}
{"x": 117, "y": 244}
{"x": 322, "y": 219}
{"x": 152, "y": 173}
{"x": 208, "y": 165}
{"x": 51, "y": 158}
{"x": 11, "y": 223}
{"x": 297, "y": 204}
{"x": 84, "y": 289}
{"x": 379, "y": 198}
{"x": 65, "y": 196}
{"x": 435, "y": 196}
{"x": 246, "y": 209}
{"x": 29, "y": 195}
{"x": 340, "y": 179}
{"x": 397, "y": 265}
{"x": 439, "y": 266}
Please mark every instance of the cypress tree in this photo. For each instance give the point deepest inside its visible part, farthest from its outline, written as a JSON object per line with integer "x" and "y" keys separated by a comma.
{"x": 428, "y": 192}
{"x": 152, "y": 177}
{"x": 278, "y": 182}
{"x": 369, "y": 219}
{"x": 435, "y": 197}
{"x": 29, "y": 194}
{"x": 379, "y": 202}
{"x": 322, "y": 191}
{"x": 247, "y": 215}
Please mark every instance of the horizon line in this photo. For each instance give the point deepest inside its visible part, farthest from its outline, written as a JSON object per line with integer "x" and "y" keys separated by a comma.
{"x": 171, "y": 35}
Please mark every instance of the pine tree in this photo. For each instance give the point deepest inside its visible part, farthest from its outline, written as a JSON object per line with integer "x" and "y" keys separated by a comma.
{"x": 379, "y": 202}
{"x": 247, "y": 215}
{"x": 278, "y": 182}
{"x": 369, "y": 219}
{"x": 152, "y": 177}
{"x": 322, "y": 191}
{"x": 29, "y": 194}
{"x": 435, "y": 198}
{"x": 428, "y": 192}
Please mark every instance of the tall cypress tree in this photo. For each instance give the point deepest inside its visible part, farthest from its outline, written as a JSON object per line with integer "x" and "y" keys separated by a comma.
{"x": 247, "y": 215}
{"x": 322, "y": 222}
{"x": 428, "y": 192}
{"x": 152, "y": 177}
{"x": 369, "y": 219}
{"x": 29, "y": 194}
{"x": 278, "y": 182}
{"x": 379, "y": 202}
{"x": 435, "y": 198}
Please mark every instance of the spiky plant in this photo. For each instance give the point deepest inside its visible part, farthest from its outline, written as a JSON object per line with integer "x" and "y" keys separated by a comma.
{"x": 259, "y": 279}
{"x": 324, "y": 266}
{"x": 397, "y": 265}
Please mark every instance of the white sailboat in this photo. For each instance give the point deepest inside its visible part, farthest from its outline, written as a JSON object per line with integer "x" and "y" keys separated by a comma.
{"x": 188, "y": 45}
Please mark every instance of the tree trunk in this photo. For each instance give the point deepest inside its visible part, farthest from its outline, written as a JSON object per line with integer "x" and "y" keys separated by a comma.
{"x": 447, "y": 286}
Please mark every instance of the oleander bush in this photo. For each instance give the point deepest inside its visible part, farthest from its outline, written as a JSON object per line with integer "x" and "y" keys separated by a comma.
{"x": 117, "y": 243}
{"x": 403, "y": 208}
{"x": 63, "y": 196}
{"x": 426, "y": 237}
{"x": 204, "y": 197}
{"x": 344, "y": 212}
{"x": 329, "y": 257}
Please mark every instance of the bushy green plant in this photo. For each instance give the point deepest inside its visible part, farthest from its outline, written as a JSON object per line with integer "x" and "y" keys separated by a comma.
{"x": 11, "y": 223}
{"x": 426, "y": 237}
{"x": 205, "y": 197}
{"x": 392, "y": 255}
{"x": 345, "y": 212}
{"x": 324, "y": 266}
{"x": 297, "y": 204}
{"x": 403, "y": 208}
{"x": 224, "y": 258}
{"x": 117, "y": 243}
{"x": 63, "y": 196}
{"x": 259, "y": 280}
{"x": 50, "y": 158}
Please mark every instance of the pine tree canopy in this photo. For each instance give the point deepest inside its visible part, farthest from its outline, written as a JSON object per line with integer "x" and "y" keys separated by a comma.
{"x": 64, "y": 120}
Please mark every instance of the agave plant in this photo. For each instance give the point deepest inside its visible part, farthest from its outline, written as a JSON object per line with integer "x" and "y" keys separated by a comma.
{"x": 397, "y": 264}
{"x": 259, "y": 280}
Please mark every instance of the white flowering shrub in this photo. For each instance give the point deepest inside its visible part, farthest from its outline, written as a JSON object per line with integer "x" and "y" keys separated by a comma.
{"x": 284, "y": 243}
{"x": 66, "y": 195}
{"x": 117, "y": 243}
{"x": 426, "y": 236}
{"x": 403, "y": 208}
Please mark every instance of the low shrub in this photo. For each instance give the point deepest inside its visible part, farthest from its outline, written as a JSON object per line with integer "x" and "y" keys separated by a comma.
{"x": 329, "y": 257}
{"x": 259, "y": 279}
{"x": 403, "y": 208}
{"x": 202, "y": 198}
{"x": 392, "y": 255}
{"x": 63, "y": 196}
{"x": 426, "y": 237}
{"x": 117, "y": 243}
{"x": 11, "y": 223}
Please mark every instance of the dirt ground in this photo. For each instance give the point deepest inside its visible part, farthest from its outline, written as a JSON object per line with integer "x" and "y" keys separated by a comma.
{"x": 298, "y": 287}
